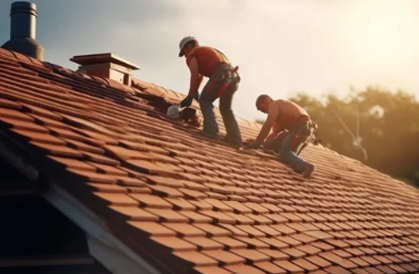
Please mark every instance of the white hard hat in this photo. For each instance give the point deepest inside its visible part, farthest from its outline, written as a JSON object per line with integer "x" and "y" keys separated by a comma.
{"x": 183, "y": 42}
{"x": 174, "y": 112}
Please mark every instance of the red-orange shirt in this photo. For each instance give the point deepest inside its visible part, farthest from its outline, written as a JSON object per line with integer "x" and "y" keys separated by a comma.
{"x": 207, "y": 58}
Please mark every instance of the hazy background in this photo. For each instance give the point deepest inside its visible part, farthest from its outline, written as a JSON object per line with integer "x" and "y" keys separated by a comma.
{"x": 282, "y": 47}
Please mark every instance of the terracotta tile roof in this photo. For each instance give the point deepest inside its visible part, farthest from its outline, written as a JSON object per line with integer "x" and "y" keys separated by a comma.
{"x": 192, "y": 205}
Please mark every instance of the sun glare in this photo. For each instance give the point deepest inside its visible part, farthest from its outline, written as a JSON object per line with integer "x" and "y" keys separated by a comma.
{"x": 381, "y": 33}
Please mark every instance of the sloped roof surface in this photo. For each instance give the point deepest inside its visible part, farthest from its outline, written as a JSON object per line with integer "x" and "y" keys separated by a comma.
{"x": 190, "y": 205}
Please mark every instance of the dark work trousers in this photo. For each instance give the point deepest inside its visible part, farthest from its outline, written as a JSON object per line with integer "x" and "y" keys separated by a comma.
{"x": 222, "y": 84}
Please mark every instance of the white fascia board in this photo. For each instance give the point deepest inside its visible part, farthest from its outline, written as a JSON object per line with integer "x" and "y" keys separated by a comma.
{"x": 103, "y": 246}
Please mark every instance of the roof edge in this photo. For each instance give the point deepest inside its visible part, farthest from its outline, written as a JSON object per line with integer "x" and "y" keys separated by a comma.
{"x": 102, "y": 243}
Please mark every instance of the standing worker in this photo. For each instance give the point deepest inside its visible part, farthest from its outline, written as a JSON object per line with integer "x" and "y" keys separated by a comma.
{"x": 223, "y": 83}
{"x": 285, "y": 115}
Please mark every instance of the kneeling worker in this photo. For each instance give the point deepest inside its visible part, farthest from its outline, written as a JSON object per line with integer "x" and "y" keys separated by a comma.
{"x": 286, "y": 115}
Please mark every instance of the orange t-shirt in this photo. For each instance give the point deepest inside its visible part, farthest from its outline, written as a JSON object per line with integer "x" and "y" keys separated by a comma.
{"x": 207, "y": 58}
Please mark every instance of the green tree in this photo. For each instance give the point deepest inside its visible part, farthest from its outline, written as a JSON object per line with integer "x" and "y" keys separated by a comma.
{"x": 388, "y": 128}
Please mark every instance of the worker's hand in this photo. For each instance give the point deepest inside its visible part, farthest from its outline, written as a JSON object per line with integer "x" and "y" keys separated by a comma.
{"x": 186, "y": 102}
{"x": 254, "y": 145}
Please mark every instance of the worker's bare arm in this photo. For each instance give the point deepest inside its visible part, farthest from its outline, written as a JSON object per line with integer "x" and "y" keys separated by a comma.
{"x": 275, "y": 130}
{"x": 273, "y": 113}
{"x": 196, "y": 78}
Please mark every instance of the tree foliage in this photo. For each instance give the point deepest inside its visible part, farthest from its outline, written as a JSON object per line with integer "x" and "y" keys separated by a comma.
{"x": 388, "y": 128}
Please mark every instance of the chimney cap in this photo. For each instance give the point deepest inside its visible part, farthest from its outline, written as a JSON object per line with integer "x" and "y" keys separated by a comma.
{"x": 103, "y": 58}
{"x": 23, "y": 7}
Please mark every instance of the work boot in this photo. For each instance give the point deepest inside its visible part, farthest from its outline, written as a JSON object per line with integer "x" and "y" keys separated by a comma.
{"x": 232, "y": 144}
{"x": 308, "y": 171}
{"x": 212, "y": 136}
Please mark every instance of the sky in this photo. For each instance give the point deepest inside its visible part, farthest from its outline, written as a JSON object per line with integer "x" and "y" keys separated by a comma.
{"x": 281, "y": 47}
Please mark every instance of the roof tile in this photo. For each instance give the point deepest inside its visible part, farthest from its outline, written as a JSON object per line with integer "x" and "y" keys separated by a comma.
{"x": 359, "y": 262}
{"x": 204, "y": 243}
{"x": 331, "y": 257}
{"x": 211, "y": 270}
{"x": 303, "y": 238}
{"x": 174, "y": 243}
{"x": 224, "y": 257}
{"x": 275, "y": 254}
{"x": 181, "y": 204}
{"x": 255, "y": 243}
{"x": 360, "y": 271}
{"x": 98, "y": 187}
{"x": 168, "y": 215}
{"x": 397, "y": 268}
{"x": 251, "y": 256}
{"x": 238, "y": 207}
{"x": 289, "y": 240}
{"x": 234, "y": 230}
{"x": 152, "y": 228}
{"x": 342, "y": 253}
{"x": 73, "y": 163}
{"x": 306, "y": 265}
{"x": 195, "y": 258}
{"x": 117, "y": 199}
{"x": 317, "y": 260}
{"x": 270, "y": 232}
{"x": 337, "y": 270}
{"x": 193, "y": 194}
{"x": 309, "y": 249}
{"x": 289, "y": 266}
{"x": 58, "y": 150}
{"x": 151, "y": 201}
{"x": 213, "y": 230}
{"x": 219, "y": 205}
{"x": 298, "y": 227}
{"x": 284, "y": 229}
{"x": 93, "y": 157}
{"x": 39, "y": 137}
{"x": 276, "y": 218}
{"x": 337, "y": 243}
{"x": 242, "y": 268}
{"x": 320, "y": 235}
{"x": 185, "y": 230}
{"x": 218, "y": 217}
{"x": 165, "y": 191}
{"x": 269, "y": 267}
{"x": 383, "y": 269}
{"x": 319, "y": 272}
{"x": 256, "y": 208}
{"x": 294, "y": 253}
{"x": 259, "y": 219}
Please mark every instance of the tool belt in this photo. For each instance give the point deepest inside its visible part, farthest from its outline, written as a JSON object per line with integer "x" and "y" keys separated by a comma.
{"x": 311, "y": 127}
{"x": 304, "y": 118}
{"x": 225, "y": 72}
{"x": 224, "y": 76}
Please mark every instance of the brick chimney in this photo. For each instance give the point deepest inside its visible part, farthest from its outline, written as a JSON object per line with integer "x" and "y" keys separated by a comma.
{"x": 107, "y": 65}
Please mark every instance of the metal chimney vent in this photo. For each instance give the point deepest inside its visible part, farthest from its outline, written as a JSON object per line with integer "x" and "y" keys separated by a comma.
{"x": 23, "y": 30}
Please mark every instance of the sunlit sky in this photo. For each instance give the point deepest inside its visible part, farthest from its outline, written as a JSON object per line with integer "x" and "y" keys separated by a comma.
{"x": 282, "y": 47}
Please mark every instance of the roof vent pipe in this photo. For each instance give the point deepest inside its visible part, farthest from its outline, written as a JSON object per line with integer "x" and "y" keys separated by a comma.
{"x": 23, "y": 30}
